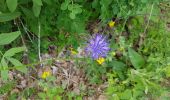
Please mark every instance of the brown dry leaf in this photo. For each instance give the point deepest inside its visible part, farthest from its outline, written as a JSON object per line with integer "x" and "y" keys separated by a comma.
{"x": 14, "y": 91}
{"x": 23, "y": 83}
{"x": 54, "y": 70}
{"x": 76, "y": 90}
{"x": 10, "y": 74}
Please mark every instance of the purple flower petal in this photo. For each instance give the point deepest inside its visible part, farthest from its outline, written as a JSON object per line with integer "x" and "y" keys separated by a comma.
{"x": 98, "y": 46}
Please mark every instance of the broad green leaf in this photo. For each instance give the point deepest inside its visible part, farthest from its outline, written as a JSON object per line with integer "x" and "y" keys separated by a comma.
{"x": 11, "y": 52}
{"x": 4, "y": 63}
{"x": 136, "y": 59}
{"x": 12, "y": 5}
{"x": 4, "y": 71}
{"x": 9, "y": 16}
{"x": 38, "y": 2}
{"x": 19, "y": 66}
{"x": 4, "y": 75}
{"x": 36, "y": 9}
{"x": 6, "y": 38}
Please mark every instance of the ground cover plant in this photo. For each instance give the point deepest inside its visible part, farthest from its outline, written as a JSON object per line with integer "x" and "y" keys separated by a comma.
{"x": 84, "y": 49}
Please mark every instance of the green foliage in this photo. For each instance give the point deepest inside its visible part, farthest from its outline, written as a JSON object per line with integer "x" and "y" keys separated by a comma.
{"x": 7, "y": 87}
{"x": 11, "y": 37}
{"x": 12, "y": 5}
{"x": 37, "y": 7}
{"x": 9, "y": 16}
{"x": 136, "y": 59}
{"x": 50, "y": 91}
{"x": 7, "y": 56}
{"x": 131, "y": 74}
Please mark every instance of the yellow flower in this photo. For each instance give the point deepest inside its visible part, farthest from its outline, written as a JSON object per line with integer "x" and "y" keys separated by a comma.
{"x": 111, "y": 24}
{"x": 45, "y": 89}
{"x": 95, "y": 30}
{"x": 122, "y": 49}
{"x": 100, "y": 60}
{"x": 45, "y": 74}
{"x": 73, "y": 52}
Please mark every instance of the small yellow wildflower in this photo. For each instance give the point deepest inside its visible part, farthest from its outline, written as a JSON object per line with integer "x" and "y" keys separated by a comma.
{"x": 73, "y": 52}
{"x": 100, "y": 60}
{"x": 122, "y": 49}
{"x": 95, "y": 30}
{"x": 45, "y": 89}
{"x": 45, "y": 74}
{"x": 111, "y": 24}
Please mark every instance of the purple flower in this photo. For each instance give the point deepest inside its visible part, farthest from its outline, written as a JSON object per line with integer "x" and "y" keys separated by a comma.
{"x": 98, "y": 46}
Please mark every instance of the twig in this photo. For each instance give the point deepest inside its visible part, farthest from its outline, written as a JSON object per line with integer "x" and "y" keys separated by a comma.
{"x": 143, "y": 35}
{"x": 149, "y": 19}
{"x": 39, "y": 42}
{"x": 25, "y": 29}
{"x": 23, "y": 42}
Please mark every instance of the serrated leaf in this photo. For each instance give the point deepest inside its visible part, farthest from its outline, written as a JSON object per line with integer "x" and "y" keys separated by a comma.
{"x": 18, "y": 65}
{"x": 11, "y": 52}
{"x": 136, "y": 59}
{"x": 36, "y": 9}
{"x": 6, "y": 38}
{"x": 9, "y": 16}
{"x": 12, "y": 5}
{"x": 38, "y": 2}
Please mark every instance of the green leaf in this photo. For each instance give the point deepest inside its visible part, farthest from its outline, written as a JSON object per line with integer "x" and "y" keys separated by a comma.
{"x": 9, "y": 16}
{"x": 126, "y": 95}
{"x": 136, "y": 59}
{"x": 4, "y": 75}
{"x": 38, "y": 2}
{"x": 19, "y": 66}
{"x": 144, "y": 1}
{"x": 11, "y": 52}
{"x": 72, "y": 15}
{"x": 6, "y": 38}
{"x": 4, "y": 71}
{"x": 36, "y": 9}
{"x": 64, "y": 5}
{"x": 49, "y": 2}
{"x": 42, "y": 95}
{"x": 78, "y": 10}
{"x": 12, "y": 5}
{"x": 27, "y": 12}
